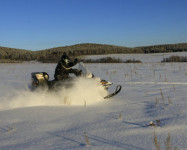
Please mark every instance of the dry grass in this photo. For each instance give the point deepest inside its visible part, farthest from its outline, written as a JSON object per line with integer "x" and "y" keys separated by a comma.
{"x": 168, "y": 145}
{"x": 168, "y": 142}
{"x": 120, "y": 116}
{"x": 156, "y": 101}
{"x": 156, "y": 142}
{"x": 162, "y": 95}
{"x": 86, "y": 139}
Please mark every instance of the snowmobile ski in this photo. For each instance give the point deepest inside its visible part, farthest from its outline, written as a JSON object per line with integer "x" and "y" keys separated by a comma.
{"x": 118, "y": 89}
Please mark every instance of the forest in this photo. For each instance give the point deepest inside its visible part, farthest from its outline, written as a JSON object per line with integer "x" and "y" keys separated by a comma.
{"x": 53, "y": 54}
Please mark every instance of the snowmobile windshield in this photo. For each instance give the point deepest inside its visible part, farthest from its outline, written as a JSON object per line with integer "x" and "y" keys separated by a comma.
{"x": 85, "y": 72}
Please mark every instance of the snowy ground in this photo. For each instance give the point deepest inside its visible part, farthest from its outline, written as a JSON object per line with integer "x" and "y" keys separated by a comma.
{"x": 46, "y": 121}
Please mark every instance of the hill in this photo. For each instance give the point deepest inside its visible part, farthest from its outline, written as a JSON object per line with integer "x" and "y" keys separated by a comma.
{"x": 181, "y": 47}
{"x": 53, "y": 54}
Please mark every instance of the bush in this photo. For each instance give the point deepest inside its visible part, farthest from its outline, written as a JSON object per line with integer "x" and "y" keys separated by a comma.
{"x": 175, "y": 59}
{"x": 109, "y": 60}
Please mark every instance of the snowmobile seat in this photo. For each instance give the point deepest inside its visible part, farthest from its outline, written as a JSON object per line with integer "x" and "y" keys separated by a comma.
{"x": 39, "y": 79}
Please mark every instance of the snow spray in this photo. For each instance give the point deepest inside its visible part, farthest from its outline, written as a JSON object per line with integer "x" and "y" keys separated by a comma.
{"x": 83, "y": 92}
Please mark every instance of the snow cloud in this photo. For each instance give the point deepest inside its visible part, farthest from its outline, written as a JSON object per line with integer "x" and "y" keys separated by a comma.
{"x": 84, "y": 92}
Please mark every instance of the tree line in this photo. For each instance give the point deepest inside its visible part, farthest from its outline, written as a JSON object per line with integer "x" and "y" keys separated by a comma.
{"x": 54, "y": 54}
{"x": 175, "y": 59}
{"x": 109, "y": 60}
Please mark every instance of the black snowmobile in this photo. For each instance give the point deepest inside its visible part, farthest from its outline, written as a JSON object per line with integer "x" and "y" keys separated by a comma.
{"x": 40, "y": 80}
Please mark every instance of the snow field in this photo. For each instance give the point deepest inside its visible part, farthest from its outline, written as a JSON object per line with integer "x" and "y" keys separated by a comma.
{"x": 150, "y": 92}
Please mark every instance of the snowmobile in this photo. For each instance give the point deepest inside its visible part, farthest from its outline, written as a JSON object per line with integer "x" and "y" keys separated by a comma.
{"x": 40, "y": 80}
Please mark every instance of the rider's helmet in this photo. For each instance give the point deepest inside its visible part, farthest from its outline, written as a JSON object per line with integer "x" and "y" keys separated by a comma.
{"x": 65, "y": 58}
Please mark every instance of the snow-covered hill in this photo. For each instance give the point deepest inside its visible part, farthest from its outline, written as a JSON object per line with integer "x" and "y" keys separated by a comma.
{"x": 151, "y": 92}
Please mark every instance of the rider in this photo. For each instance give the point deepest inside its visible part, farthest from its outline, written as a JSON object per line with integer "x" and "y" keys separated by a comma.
{"x": 63, "y": 68}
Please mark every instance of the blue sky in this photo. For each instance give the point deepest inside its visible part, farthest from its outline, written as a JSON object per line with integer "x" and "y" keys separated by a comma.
{"x": 42, "y": 24}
